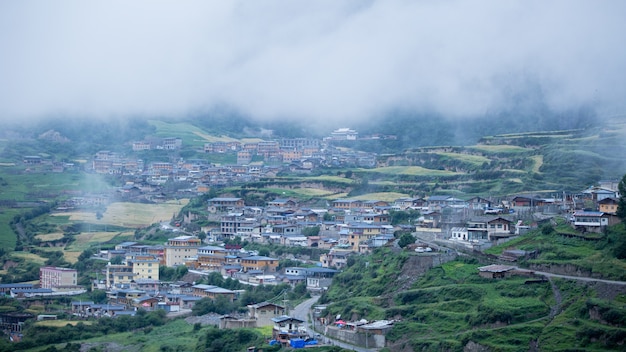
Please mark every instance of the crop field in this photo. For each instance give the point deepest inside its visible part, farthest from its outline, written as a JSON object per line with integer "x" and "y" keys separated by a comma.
{"x": 409, "y": 170}
{"x": 85, "y": 240}
{"x": 190, "y": 134}
{"x": 383, "y": 196}
{"x": 492, "y": 149}
{"x": 337, "y": 179}
{"x": 469, "y": 158}
{"x": 300, "y": 192}
{"x": 133, "y": 215}
{"x": 46, "y": 237}
{"x": 29, "y": 257}
{"x": 62, "y": 322}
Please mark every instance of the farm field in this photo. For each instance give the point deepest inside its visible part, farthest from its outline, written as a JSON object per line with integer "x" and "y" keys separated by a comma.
{"x": 132, "y": 215}
{"x": 409, "y": 170}
{"x": 383, "y": 196}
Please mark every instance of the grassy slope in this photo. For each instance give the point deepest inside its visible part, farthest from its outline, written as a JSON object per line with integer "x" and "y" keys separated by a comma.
{"x": 451, "y": 305}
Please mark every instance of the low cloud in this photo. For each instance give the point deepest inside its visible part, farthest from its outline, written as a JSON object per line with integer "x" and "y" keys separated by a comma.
{"x": 327, "y": 61}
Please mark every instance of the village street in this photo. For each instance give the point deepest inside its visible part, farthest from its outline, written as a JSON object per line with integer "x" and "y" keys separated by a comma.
{"x": 303, "y": 312}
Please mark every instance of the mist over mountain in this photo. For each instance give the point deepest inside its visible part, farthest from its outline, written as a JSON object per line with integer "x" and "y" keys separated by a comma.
{"x": 323, "y": 65}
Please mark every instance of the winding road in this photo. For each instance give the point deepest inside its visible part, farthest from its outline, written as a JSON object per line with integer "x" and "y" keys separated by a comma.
{"x": 303, "y": 311}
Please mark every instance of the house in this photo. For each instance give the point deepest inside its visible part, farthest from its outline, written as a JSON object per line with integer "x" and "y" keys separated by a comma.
{"x": 590, "y": 221}
{"x": 224, "y": 204}
{"x": 5, "y": 289}
{"x": 264, "y": 312}
{"x": 406, "y": 203}
{"x": 319, "y": 279}
{"x": 438, "y": 202}
{"x": 478, "y": 203}
{"x": 347, "y": 204}
{"x": 210, "y": 258}
{"x": 608, "y": 205}
{"x": 118, "y": 274}
{"x": 459, "y": 234}
{"x": 336, "y": 258}
{"x": 282, "y": 203}
{"x": 257, "y": 262}
{"x": 430, "y": 219}
{"x": 287, "y": 328}
{"x": 524, "y": 202}
{"x": 213, "y": 292}
{"x": 180, "y": 248}
{"x": 495, "y": 271}
{"x": 488, "y": 228}
{"x": 598, "y": 193}
{"x": 294, "y": 240}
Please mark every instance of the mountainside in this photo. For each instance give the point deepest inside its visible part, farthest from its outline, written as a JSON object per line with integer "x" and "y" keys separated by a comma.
{"x": 441, "y": 303}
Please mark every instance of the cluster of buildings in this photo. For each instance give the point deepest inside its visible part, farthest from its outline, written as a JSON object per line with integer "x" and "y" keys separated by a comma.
{"x": 296, "y": 154}
{"x": 53, "y": 282}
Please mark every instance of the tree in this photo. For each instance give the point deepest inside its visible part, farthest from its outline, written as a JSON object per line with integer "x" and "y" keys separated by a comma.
{"x": 621, "y": 203}
{"x": 311, "y": 231}
{"x": 406, "y": 240}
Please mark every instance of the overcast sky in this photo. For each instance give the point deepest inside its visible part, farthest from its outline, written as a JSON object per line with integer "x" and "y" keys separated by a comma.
{"x": 324, "y": 60}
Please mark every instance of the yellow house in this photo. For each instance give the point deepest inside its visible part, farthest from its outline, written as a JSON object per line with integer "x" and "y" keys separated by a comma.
{"x": 258, "y": 262}
{"x": 144, "y": 267}
{"x": 178, "y": 249}
{"x": 608, "y": 205}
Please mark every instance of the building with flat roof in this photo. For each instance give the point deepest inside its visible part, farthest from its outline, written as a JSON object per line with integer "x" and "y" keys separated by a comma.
{"x": 52, "y": 277}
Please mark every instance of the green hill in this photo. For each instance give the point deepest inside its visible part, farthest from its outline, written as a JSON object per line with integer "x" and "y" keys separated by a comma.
{"x": 450, "y": 307}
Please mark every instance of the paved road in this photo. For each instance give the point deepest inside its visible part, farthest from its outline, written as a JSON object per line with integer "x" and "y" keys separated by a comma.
{"x": 569, "y": 277}
{"x": 302, "y": 312}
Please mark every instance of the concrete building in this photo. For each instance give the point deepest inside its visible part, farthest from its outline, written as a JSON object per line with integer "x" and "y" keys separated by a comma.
{"x": 180, "y": 248}
{"x": 53, "y": 277}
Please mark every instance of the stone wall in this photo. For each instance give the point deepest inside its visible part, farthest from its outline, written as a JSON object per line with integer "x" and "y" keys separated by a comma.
{"x": 355, "y": 338}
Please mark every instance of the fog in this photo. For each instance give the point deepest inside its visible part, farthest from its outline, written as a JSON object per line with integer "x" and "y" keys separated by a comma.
{"x": 326, "y": 61}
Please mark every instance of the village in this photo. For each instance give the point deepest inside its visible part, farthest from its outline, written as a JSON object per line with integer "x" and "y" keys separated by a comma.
{"x": 348, "y": 227}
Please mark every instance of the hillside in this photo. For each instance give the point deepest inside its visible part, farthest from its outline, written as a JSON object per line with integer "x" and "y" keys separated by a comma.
{"x": 450, "y": 307}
